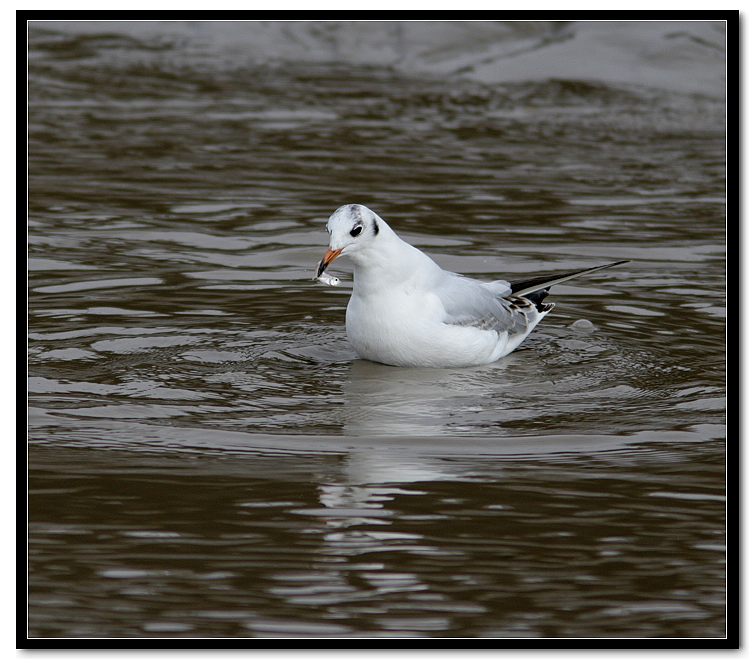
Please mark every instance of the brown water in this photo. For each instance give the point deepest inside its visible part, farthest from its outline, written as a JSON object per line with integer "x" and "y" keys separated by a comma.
{"x": 206, "y": 455}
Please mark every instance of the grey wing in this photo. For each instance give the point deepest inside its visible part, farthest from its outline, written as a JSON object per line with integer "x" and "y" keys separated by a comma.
{"x": 500, "y": 288}
{"x": 469, "y": 303}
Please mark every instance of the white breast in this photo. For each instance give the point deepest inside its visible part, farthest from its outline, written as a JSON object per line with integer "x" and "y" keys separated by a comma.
{"x": 408, "y": 330}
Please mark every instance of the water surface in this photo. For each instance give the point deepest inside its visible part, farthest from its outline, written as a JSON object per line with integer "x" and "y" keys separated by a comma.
{"x": 207, "y": 457}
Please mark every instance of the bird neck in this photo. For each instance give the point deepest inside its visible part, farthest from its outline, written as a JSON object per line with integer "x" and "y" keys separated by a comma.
{"x": 390, "y": 261}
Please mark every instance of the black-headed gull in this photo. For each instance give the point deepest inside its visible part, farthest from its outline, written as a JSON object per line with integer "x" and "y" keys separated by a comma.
{"x": 407, "y": 311}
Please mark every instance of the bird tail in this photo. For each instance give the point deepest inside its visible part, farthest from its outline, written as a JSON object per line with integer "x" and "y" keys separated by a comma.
{"x": 536, "y": 289}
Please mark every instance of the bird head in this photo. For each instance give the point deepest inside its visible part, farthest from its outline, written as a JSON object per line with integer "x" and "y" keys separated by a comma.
{"x": 352, "y": 228}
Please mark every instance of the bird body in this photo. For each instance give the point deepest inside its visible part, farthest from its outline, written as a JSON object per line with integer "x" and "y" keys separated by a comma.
{"x": 407, "y": 311}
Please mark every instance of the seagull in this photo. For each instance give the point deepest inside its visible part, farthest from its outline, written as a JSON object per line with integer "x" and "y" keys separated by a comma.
{"x": 407, "y": 311}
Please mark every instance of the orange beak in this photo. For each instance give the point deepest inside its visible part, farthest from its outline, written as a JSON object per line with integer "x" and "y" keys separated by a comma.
{"x": 328, "y": 258}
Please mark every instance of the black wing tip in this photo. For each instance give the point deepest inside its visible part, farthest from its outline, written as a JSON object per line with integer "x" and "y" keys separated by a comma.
{"x": 537, "y": 298}
{"x": 529, "y": 287}
{"x": 606, "y": 266}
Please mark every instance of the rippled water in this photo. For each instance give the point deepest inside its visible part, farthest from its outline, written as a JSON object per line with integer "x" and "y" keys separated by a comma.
{"x": 207, "y": 457}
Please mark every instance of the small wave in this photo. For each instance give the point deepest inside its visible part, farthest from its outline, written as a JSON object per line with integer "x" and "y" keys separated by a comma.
{"x": 583, "y": 57}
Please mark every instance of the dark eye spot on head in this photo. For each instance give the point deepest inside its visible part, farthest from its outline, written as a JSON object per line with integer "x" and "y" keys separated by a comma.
{"x": 356, "y": 231}
{"x": 375, "y": 227}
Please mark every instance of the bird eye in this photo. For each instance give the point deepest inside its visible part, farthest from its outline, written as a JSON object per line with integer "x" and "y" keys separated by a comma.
{"x": 356, "y": 231}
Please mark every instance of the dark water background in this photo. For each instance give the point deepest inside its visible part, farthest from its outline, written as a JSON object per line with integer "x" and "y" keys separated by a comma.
{"x": 206, "y": 455}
